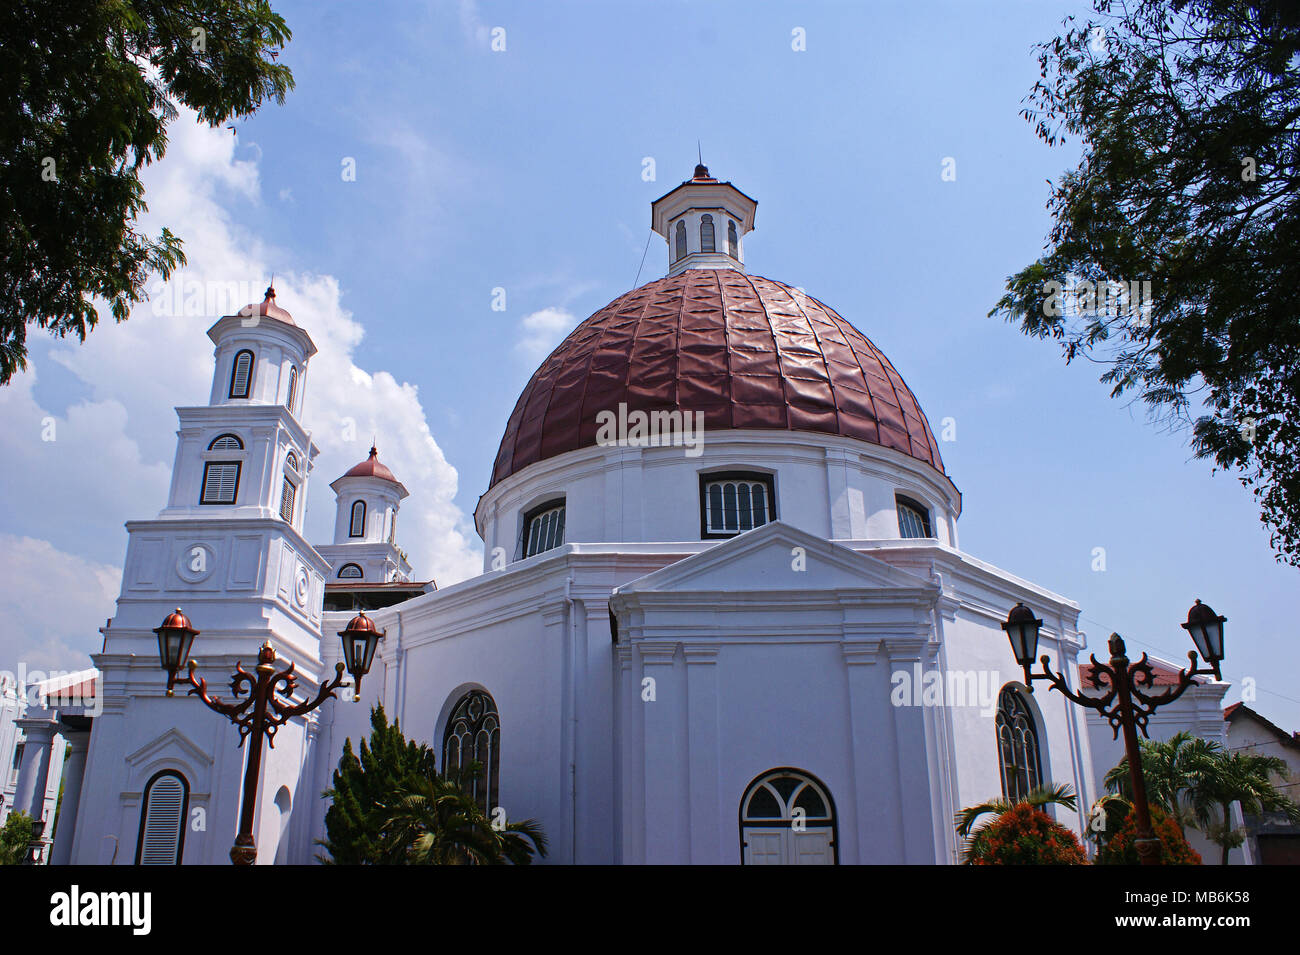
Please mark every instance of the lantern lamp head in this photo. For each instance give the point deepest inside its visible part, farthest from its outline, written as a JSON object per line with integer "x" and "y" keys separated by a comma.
{"x": 175, "y": 637}
{"x": 1206, "y": 630}
{"x": 1022, "y": 630}
{"x": 360, "y": 640}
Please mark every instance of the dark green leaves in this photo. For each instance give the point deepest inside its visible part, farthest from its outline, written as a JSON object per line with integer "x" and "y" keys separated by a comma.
{"x": 88, "y": 90}
{"x": 1189, "y": 116}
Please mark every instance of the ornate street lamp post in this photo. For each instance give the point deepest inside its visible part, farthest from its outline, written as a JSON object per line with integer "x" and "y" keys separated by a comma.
{"x": 1126, "y": 702}
{"x": 260, "y": 714}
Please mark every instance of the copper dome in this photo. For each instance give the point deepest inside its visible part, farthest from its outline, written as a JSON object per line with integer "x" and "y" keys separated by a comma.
{"x": 267, "y": 309}
{"x": 372, "y": 467}
{"x": 746, "y": 351}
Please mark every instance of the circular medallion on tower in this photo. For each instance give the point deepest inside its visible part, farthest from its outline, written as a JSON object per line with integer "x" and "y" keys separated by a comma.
{"x": 301, "y": 586}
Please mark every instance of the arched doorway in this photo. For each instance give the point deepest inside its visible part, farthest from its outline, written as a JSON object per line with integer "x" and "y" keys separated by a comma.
{"x": 787, "y": 817}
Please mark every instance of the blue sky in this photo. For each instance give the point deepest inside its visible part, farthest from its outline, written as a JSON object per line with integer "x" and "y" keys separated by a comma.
{"x": 522, "y": 170}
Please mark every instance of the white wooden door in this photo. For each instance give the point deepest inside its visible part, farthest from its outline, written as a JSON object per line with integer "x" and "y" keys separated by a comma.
{"x": 811, "y": 847}
{"x": 772, "y": 846}
{"x": 764, "y": 846}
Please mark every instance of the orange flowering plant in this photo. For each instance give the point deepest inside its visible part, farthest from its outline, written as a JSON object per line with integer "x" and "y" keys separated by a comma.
{"x": 1121, "y": 847}
{"x": 1022, "y": 833}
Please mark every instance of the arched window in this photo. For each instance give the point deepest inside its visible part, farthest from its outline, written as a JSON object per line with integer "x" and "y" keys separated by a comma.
{"x": 287, "y": 493}
{"x": 226, "y": 442}
{"x": 913, "y": 519}
{"x": 291, "y": 460}
{"x": 733, "y": 240}
{"x": 473, "y": 735}
{"x": 769, "y": 809}
{"x": 681, "y": 242}
{"x": 733, "y": 503}
{"x": 241, "y": 375}
{"x": 162, "y": 819}
{"x": 293, "y": 387}
{"x": 706, "y": 233}
{"x": 350, "y": 572}
{"x": 357, "y": 528}
{"x": 544, "y": 528}
{"x": 1017, "y": 746}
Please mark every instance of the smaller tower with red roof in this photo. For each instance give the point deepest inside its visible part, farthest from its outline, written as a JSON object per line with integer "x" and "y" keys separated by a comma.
{"x": 369, "y": 569}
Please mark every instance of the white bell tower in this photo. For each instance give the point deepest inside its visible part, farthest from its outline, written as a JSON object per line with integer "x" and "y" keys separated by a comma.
{"x": 365, "y": 547}
{"x": 228, "y": 549}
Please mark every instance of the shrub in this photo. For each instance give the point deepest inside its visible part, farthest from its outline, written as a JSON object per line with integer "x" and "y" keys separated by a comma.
{"x": 1025, "y": 835}
{"x": 15, "y": 836}
{"x": 1120, "y": 848}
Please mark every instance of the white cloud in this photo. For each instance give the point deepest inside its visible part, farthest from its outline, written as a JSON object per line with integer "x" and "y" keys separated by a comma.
{"x": 541, "y": 331}
{"x": 113, "y": 450}
{"x": 472, "y": 25}
{"x": 54, "y": 604}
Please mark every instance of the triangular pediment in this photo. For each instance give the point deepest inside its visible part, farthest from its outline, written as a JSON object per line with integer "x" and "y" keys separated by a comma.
{"x": 777, "y": 557}
{"x": 170, "y": 743}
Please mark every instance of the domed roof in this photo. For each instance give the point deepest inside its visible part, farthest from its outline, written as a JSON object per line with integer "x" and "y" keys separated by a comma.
{"x": 746, "y": 351}
{"x": 267, "y": 309}
{"x": 371, "y": 467}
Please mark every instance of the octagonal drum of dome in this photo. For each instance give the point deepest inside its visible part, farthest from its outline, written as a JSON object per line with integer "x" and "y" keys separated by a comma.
{"x": 746, "y": 351}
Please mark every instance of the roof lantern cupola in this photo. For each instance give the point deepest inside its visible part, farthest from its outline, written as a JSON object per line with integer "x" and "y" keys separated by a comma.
{"x": 704, "y": 222}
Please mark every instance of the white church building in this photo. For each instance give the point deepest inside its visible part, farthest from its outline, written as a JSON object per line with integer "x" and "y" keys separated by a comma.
{"x": 724, "y": 615}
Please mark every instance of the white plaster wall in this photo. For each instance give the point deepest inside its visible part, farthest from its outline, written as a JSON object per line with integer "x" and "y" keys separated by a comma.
{"x": 836, "y": 488}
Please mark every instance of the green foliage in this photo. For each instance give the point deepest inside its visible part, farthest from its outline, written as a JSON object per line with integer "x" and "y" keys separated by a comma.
{"x": 89, "y": 88}
{"x": 437, "y": 823}
{"x": 1120, "y": 845}
{"x": 365, "y": 789}
{"x": 999, "y": 844}
{"x": 1195, "y": 782}
{"x": 15, "y": 836}
{"x": 391, "y": 807}
{"x": 1189, "y": 113}
{"x": 1246, "y": 778}
{"x": 1173, "y": 771}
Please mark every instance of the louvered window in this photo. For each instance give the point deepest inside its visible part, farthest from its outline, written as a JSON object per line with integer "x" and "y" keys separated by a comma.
{"x": 220, "y": 482}
{"x": 162, "y": 820}
{"x": 293, "y": 387}
{"x": 734, "y": 504}
{"x": 913, "y": 519}
{"x": 17, "y": 765}
{"x": 349, "y": 572}
{"x": 706, "y": 234}
{"x": 544, "y": 531}
{"x": 226, "y": 442}
{"x": 733, "y": 240}
{"x": 286, "y": 500}
{"x": 242, "y": 374}
{"x": 681, "y": 241}
{"x": 358, "y": 528}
